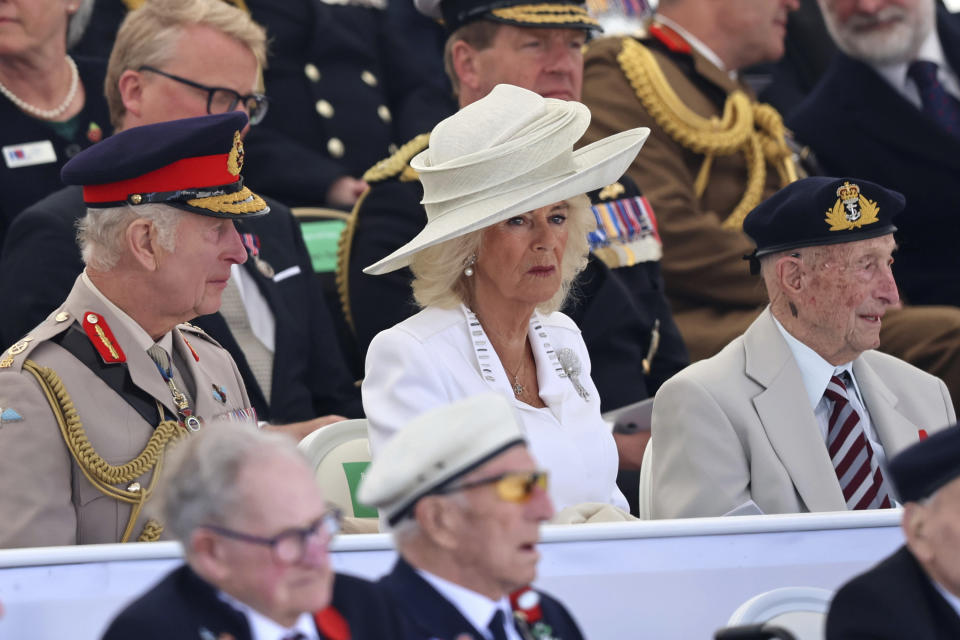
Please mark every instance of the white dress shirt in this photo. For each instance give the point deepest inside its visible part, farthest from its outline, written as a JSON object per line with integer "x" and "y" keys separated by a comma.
{"x": 263, "y": 628}
{"x": 698, "y": 45}
{"x": 931, "y": 50}
{"x": 435, "y": 357}
{"x": 476, "y": 608}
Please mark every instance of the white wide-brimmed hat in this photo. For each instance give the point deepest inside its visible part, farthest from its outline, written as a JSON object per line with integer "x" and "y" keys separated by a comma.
{"x": 508, "y": 153}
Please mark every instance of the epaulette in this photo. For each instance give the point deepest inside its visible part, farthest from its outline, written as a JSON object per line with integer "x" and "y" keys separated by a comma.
{"x": 626, "y": 231}
{"x": 194, "y": 330}
{"x": 670, "y": 38}
{"x": 398, "y": 165}
{"x": 750, "y": 129}
{"x": 14, "y": 357}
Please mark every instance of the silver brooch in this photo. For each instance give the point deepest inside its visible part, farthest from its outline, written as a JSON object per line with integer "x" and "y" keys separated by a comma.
{"x": 572, "y": 366}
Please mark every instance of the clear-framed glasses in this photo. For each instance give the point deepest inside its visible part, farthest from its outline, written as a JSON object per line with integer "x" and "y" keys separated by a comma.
{"x": 512, "y": 486}
{"x": 290, "y": 545}
{"x": 221, "y": 99}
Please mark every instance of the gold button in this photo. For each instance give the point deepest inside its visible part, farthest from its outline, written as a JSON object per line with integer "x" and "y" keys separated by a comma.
{"x": 92, "y": 318}
{"x": 324, "y": 108}
{"x": 384, "y": 113}
{"x": 369, "y": 78}
{"x": 136, "y": 198}
{"x": 311, "y": 71}
{"x": 63, "y": 316}
{"x": 335, "y": 147}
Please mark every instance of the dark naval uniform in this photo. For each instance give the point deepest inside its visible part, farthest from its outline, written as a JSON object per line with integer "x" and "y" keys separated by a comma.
{"x": 618, "y": 302}
{"x": 342, "y": 96}
{"x": 310, "y": 376}
{"x": 184, "y": 605}
{"x": 425, "y": 613}
{"x": 81, "y": 406}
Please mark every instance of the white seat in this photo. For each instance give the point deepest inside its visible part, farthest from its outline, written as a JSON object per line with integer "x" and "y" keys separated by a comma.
{"x": 639, "y": 414}
{"x": 339, "y": 453}
{"x": 800, "y": 610}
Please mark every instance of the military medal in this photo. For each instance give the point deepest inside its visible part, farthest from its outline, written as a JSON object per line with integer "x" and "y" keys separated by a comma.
{"x": 252, "y": 243}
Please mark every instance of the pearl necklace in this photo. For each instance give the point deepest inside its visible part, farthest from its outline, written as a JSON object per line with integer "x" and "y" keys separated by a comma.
{"x": 48, "y": 114}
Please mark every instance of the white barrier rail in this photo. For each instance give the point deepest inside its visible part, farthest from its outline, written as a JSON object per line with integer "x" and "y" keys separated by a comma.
{"x": 663, "y": 579}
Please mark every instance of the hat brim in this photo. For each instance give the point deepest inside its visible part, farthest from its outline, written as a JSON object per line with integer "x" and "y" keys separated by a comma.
{"x": 596, "y": 165}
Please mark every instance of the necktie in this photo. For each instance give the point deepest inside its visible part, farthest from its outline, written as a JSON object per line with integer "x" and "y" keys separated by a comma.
{"x": 259, "y": 358}
{"x": 853, "y": 461}
{"x": 496, "y": 626}
{"x": 937, "y": 103}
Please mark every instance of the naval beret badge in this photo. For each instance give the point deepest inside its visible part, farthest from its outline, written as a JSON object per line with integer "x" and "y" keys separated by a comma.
{"x": 852, "y": 209}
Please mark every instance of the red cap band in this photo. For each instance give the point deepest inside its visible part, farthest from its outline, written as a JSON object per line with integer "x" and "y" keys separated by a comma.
{"x": 188, "y": 173}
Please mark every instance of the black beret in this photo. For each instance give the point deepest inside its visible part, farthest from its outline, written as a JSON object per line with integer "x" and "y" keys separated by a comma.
{"x": 566, "y": 14}
{"x": 192, "y": 164}
{"x": 919, "y": 470}
{"x": 820, "y": 211}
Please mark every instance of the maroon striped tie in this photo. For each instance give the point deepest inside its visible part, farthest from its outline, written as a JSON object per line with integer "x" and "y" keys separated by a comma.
{"x": 857, "y": 469}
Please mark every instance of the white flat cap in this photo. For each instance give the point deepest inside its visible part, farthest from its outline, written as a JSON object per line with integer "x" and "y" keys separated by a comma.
{"x": 435, "y": 449}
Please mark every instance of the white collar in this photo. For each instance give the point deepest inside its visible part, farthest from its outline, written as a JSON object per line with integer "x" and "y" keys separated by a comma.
{"x": 815, "y": 371}
{"x": 930, "y": 50}
{"x": 264, "y": 628}
{"x": 951, "y": 599}
{"x": 476, "y": 608}
{"x": 139, "y": 334}
{"x": 697, "y": 44}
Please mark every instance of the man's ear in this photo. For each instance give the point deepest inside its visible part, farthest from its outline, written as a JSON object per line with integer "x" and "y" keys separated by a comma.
{"x": 130, "y": 86}
{"x": 464, "y": 60}
{"x": 913, "y": 525}
{"x": 206, "y": 556}
{"x": 439, "y": 519}
{"x": 789, "y": 271}
{"x": 141, "y": 239}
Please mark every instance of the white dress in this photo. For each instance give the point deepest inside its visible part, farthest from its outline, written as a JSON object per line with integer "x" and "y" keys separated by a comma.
{"x": 442, "y": 355}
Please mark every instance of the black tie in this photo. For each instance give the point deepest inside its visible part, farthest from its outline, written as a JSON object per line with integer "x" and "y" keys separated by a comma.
{"x": 942, "y": 107}
{"x": 496, "y": 626}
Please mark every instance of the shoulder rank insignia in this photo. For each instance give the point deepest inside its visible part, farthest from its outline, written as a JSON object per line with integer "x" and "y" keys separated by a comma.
{"x": 102, "y": 338}
{"x": 670, "y": 38}
{"x": 7, "y": 360}
{"x": 626, "y": 232}
{"x": 851, "y": 210}
{"x": 190, "y": 346}
{"x": 8, "y": 415}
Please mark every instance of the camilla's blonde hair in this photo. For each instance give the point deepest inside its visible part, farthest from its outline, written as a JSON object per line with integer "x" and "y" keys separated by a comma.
{"x": 438, "y": 279}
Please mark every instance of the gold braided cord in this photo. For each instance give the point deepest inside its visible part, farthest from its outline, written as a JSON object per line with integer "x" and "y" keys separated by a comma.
{"x": 98, "y": 471}
{"x": 243, "y": 201}
{"x": 344, "y": 243}
{"x": 546, "y": 13}
{"x": 395, "y": 164}
{"x": 752, "y": 129}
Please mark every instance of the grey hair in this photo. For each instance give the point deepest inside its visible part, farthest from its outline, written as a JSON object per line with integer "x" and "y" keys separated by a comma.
{"x": 200, "y": 483}
{"x": 438, "y": 278}
{"x": 101, "y": 233}
{"x": 77, "y": 22}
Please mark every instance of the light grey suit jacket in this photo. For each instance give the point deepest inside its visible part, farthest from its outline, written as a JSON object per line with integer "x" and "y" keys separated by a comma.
{"x": 739, "y": 427}
{"x": 46, "y": 498}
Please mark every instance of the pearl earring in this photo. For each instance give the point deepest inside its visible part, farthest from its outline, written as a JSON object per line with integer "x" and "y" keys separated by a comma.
{"x": 468, "y": 269}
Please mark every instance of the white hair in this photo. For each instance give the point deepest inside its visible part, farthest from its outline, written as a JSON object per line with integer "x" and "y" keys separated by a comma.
{"x": 904, "y": 31}
{"x": 101, "y": 233}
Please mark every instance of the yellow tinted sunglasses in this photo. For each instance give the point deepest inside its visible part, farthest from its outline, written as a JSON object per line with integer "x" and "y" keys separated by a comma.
{"x": 512, "y": 486}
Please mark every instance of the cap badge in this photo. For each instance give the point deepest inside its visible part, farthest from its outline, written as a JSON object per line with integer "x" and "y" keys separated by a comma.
{"x": 851, "y": 210}
{"x": 235, "y": 157}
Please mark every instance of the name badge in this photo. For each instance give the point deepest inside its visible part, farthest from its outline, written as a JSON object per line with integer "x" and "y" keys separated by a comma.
{"x": 29, "y": 154}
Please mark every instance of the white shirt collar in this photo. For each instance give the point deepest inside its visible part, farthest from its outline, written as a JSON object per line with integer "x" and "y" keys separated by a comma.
{"x": 263, "y": 628}
{"x": 816, "y": 371}
{"x": 697, "y": 44}
{"x": 143, "y": 339}
{"x": 951, "y": 599}
{"x": 476, "y": 608}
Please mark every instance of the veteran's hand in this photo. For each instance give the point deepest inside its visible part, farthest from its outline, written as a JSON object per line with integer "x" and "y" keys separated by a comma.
{"x": 345, "y": 191}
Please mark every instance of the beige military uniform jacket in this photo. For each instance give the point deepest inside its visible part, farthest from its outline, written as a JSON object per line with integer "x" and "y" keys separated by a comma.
{"x": 739, "y": 427}
{"x": 47, "y": 496}
{"x": 713, "y": 296}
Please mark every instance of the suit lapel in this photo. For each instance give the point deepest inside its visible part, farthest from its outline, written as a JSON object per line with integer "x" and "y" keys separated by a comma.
{"x": 787, "y": 418}
{"x": 895, "y": 431}
{"x": 428, "y": 610}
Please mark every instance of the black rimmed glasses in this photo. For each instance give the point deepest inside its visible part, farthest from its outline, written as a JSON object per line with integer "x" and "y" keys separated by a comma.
{"x": 221, "y": 99}
{"x": 289, "y": 546}
{"x": 512, "y": 486}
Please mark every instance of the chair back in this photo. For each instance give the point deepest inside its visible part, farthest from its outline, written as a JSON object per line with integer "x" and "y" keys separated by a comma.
{"x": 800, "y": 610}
{"x": 340, "y": 454}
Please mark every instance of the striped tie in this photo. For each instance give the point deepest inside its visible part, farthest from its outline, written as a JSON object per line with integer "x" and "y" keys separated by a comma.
{"x": 857, "y": 468}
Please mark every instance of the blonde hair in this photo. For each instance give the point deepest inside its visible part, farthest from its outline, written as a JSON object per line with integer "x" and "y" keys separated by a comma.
{"x": 101, "y": 233}
{"x": 150, "y": 34}
{"x": 438, "y": 279}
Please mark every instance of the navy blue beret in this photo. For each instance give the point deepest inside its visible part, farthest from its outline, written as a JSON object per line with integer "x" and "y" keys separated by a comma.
{"x": 820, "y": 211}
{"x": 192, "y": 164}
{"x": 919, "y": 470}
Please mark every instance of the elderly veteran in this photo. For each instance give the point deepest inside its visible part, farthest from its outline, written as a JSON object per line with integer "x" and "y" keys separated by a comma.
{"x": 466, "y": 500}
{"x": 914, "y": 593}
{"x": 92, "y": 396}
{"x": 506, "y": 235}
{"x": 800, "y": 413}
{"x": 255, "y": 532}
